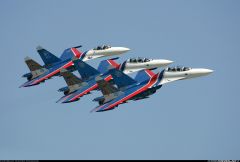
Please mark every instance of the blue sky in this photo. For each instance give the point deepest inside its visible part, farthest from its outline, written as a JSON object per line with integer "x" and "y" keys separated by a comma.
{"x": 191, "y": 119}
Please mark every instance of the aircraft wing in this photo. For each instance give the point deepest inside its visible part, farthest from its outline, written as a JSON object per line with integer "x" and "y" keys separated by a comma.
{"x": 48, "y": 74}
{"x": 127, "y": 95}
{"x": 70, "y": 78}
{"x": 83, "y": 90}
{"x": 105, "y": 86}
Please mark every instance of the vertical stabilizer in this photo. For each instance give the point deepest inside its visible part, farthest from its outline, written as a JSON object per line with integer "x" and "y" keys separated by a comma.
{"x": 86, "y": 71}
{"x": 47, "y": 57}
{"x": 104, "y": 65}
{"x": 144, "y": 75}
{"x": 121, "y": 79}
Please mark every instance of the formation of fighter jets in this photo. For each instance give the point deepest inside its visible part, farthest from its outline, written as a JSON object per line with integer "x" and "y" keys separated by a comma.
{"x": 111, "y": 77}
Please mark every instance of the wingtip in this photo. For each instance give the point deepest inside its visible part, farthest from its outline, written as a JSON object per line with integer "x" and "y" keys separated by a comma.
{"x": 20, "y": 86}
{"x": 23, "y": 85}
{"x": 78, "y": 46}
{"x": 27, "y": 58}
{"x": 93, "y": 110}
{"x": 59, "y": 100}
{"x": 39, "y": 48}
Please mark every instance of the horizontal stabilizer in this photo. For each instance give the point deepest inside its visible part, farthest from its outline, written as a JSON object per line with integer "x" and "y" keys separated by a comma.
{"x": 105, "y": 86}
{"x": 35, "y": 68}
{"x": 32, "y": 65}
{"x": 108, "y": 90}
{"x": 70, "y": 78}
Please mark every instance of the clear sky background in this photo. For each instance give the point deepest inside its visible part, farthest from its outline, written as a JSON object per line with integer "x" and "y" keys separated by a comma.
{"x": 190, "y": 119}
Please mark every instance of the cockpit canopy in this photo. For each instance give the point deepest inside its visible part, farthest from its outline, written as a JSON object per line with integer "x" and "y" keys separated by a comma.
{"x": 103, "y": 47}
{"x": 139, "y": 59}
{"x": 178, "y": 68}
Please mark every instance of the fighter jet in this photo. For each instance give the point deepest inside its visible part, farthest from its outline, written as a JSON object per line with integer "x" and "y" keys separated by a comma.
{"x": 78, "y": 87}
{"x": 53, "y": 64}
{"x": 133, "y": 64}
{"x": 145, "y": 84}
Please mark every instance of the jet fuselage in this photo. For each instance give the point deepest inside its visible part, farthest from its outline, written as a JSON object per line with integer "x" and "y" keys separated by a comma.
{"x": 98, "y": 53}
{"x": 65, "y": 62}
{"x": 149, "y": 86}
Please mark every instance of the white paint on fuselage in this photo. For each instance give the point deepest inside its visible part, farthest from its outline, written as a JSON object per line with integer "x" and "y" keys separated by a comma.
{"x": 93, "y": 54}
{"x": 131, "y": 67}
{"x": 170, "y": 76}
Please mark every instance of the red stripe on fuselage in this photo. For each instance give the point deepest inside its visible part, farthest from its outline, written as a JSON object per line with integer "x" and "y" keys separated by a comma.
{"x": 75, "y": 52}
{"x": 54, "y": 72}
{"x": 149, "y": 84}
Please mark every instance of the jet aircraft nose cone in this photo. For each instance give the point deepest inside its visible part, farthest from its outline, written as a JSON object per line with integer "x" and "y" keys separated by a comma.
{"x": 162, "y": 62}
{"x": 205, "y": 71}
{"x": 124, "y": 49}
{"x": 167, "y": 62}
{"x": 118, "y": 50}
{"x": 208, "y": 71}
{"x": 199, "y": 72}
